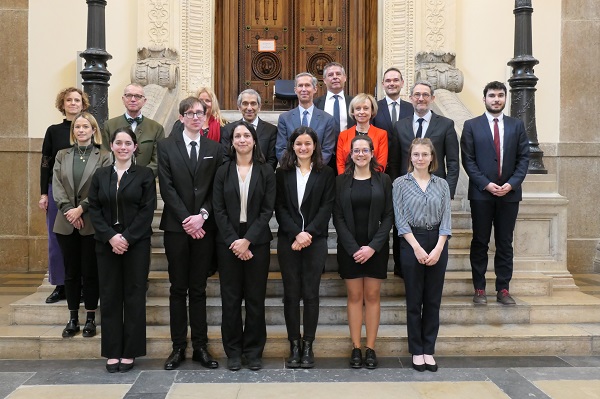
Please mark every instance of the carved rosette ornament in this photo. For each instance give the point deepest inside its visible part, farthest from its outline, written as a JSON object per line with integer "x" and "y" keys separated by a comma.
{"x": 316, "y": 63}
{"x": 156, "y": 65}
{"x": 438, "y": 68}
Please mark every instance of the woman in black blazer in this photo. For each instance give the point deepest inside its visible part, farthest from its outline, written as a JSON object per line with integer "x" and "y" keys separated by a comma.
{"x": 363, "y": 215}
{"x": 243, "y": 201}
{"x": 122, "y": 200}
{"x": 305, "y": 194}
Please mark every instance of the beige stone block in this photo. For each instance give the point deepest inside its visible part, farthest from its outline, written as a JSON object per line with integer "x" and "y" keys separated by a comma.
{"x": 567, "y": 389}
{"x": 14, "y": 4}
{"x": 14, "y": 254}
{"x": 13, "y": 64}
{"x": 580, "y": 255}
{"x": 38, "y": 254}
{"x": 585, "y": 10}
{"x": 14, "y": 183}
{"x": 71, "y": 391}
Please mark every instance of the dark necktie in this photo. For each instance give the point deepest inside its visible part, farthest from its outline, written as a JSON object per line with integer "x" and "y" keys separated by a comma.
{"x": 304, "y": 118}
{"x": 420, "y": 129}
{"x": 193, "y": 155}
{"x": 137, "y": 119}
{"x": 336, "y": 114}
{"x": 394, "y": 113}
{"x": 497, "y": 146}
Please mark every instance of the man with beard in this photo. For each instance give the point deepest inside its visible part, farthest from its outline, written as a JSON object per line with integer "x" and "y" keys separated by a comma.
{"x": 495, "y": 155}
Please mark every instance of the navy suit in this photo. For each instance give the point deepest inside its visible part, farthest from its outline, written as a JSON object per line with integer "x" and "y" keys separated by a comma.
{"x": 481, "y": 164}
{"x": 383, "y": 120}
{"x": 321, "y": 122}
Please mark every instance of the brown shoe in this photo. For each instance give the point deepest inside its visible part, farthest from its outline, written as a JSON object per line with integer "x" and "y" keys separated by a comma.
{"x": 479, "y": 298}
{"x": 504, "y": 298}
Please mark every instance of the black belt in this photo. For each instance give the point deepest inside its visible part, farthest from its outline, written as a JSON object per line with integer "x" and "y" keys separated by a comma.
{"x": 424, "y": 229}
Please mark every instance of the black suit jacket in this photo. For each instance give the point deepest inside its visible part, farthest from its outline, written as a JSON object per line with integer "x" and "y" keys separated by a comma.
{"x": 383, "y": 120}
{"x": 316, "y": 204}
{"x": 267, "y": 137}
{"x": 320, "y": 104}
{"x": 442, "y": 134}
{"x": 183, "y": 190}
{"x": 259, "y": 205}
{"x": 381, "y": 212}
{"x": 480, "y": 161}
{"x": 136, "y": 199}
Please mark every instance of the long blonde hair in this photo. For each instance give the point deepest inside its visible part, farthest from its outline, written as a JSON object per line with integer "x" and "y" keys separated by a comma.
{"x": 96, "y": 137}
{"x": 215, "y": 109}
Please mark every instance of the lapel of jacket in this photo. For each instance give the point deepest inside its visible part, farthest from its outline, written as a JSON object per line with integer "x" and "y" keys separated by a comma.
{"x": 68, "y": 165}
{"x": 485, "y": 127}
{"x": 292, "y": 187}
{"x": 90, "y": 167}
{"x": 433, "y": 122}
{"x": 376, "y": 206}
{"x": 314, "y": 120}
{"x": 180, "y": 144}
{"x": 347, "y": 203}
{"x": 253, "y": 180}
{"x": 232, "y": 178}
{"x": 310, "y": 184}
{"x": 130, "y": 177}
{"x": 386, "y": 115}
{"x": 295, "y": 119}
{"x": 105, "y": 181}
{"x": 201, "y": 154}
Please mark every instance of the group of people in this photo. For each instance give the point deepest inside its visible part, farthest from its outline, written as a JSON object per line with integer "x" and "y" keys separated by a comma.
{"x": 396, "y": 163}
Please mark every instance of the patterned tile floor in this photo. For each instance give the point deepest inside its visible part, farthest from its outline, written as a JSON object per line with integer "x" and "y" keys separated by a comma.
{"x": 515, "y": 377}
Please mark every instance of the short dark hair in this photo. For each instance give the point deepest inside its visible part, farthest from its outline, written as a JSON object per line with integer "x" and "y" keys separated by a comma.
{"x": 427, "y": 142}
{"x": 351, "y": 166}
{"x": 289, "y": 158}
{"x": 257, "y": 155}
{"x": 189, "y": 103}
{"x": 495, "y": 85}
{"x": 127, "y": 130}
{"x": 390, "y": 69}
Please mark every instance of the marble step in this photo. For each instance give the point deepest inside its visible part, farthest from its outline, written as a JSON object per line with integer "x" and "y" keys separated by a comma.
{"x": 45, "y": 341}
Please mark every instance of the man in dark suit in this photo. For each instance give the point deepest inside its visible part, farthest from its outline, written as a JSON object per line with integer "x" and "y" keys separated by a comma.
{"x": 147, "y": 131}
{"x": 249, "y": 103}
{"x": 335, "y": 102}
{"x": 426, "y": 124}
{"x": 495, "y": 155}
{"x": 186, "y": 169}
{"x": 306, "y": 114}
{"x": 390, "y": 110}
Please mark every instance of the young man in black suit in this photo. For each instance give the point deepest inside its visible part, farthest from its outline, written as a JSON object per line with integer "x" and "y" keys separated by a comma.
{"x": 186, "y": 169}
{"x": 495, "y": 155}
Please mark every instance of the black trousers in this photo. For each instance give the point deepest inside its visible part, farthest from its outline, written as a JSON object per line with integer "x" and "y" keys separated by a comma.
{"x": 503, "y": 216}
{"x": 80, "y": 268}
{"x": 301, "y": 274}
{"x": 189, "y": 261}
{"x": 423, "y": 285}
{"x": 123, "y": 299}
{"x": 243, "y": 280}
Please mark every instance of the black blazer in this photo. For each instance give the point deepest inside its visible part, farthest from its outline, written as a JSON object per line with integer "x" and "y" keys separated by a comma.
{"x": 267, "y": 137}
{"x": 136, "y": 200}
{"x": 183, "y": 190}
{"x": 259, "y": 207}
{"x": 383, "y": 120}
{"x": 320, "y": 104}
{"x": 316, "y": 204}
{"x": 442, "y": 134}
{"x": 381, "y": 212}
{"x": 480, "y": 162}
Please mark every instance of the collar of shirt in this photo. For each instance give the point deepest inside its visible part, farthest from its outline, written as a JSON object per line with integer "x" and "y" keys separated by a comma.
{"x": 129, "y": 116}
{"x": 254, "y": 123}
{"x": 390, "y": 101}
{"x": 330, "y": 96}
{"x": 187, "y": 142}
{"x": 309, "y": 109}
{"x": 134, "y": 124}
{"x": 490, "y": 117}
{"x": 427, "y": 117}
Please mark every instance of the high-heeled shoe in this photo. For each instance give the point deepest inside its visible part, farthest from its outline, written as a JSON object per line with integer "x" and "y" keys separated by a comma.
{"x": 419, "y": 367}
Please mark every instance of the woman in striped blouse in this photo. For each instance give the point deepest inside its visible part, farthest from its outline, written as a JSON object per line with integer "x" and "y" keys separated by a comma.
{"x": 422, "y": 212}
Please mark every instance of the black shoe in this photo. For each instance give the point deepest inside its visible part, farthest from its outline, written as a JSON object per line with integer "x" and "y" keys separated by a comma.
{"x": 175, "y": 358}
{"x": 112, "y": 368}
{"x": 202, "y": 356}
{"x": 57, "y": 295}
{"x": 255, "y": 364}
{"x": 89, "y": 330}
{"x": 356, "y": 358}
{"x": 234, "y": 363}
{"x": 125, "y": 367}
{"x": 307, "y": 361}
{"x": 370, "y": 359}
{"x": 293, "y": 362}
{"x": 71, "y": 329}
{"x": 419, "y": 367}
{"x": 431, "y": 367}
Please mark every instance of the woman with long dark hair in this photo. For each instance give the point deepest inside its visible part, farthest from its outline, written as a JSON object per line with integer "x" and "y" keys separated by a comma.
{"x": 122, "y": 198}
{"x": 305, "y": 195}
{"x": 363, "y": 215}
{"x": 243, "y": 201}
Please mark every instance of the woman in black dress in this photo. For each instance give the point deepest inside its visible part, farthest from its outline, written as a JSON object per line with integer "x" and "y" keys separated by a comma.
{"x": 305, "y": 195}
{"x": 243, "y": 201}
{"x": 69, "y": 102}
{"x": 122, "y": 199}
{"x": 363, "y": 216}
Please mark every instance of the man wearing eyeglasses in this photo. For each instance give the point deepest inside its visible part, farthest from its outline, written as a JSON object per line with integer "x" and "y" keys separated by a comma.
{"x": 147, "y": 131}
{"x": 187, "y": 163}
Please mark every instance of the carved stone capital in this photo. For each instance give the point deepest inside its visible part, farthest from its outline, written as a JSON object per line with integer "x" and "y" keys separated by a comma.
{"x": 438, "y": 68}
{"x": 156, "y": 65}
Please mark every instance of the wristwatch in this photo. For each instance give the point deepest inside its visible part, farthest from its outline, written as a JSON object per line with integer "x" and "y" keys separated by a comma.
{"x": 204, "y": 213}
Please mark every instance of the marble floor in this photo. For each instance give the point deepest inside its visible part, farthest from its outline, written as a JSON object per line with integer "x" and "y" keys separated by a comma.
{"x": 458, "y": 377}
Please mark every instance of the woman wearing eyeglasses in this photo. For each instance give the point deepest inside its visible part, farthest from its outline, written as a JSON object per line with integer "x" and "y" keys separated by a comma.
{"x": 363, "y": 216}
{"x": 362, "y": 109}
{"x": 423, "y": 220}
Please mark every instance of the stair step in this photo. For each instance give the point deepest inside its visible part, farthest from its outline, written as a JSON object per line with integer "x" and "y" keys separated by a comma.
{"x": 45, "y": 341}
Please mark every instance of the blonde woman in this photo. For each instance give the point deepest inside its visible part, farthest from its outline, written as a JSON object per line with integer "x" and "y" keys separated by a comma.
{"x": 211, "y": 128}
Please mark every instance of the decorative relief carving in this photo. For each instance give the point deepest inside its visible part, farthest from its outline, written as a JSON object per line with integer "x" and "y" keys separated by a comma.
{"x": 438, "y": 68}
{"x": 197, "y": 50}
{"x": 159, "y": 22}
{"x": 157, "y": 66}
{"x": 434, "y": 24}
{"x": 266, "y": 66}
{"x": 316, "y": 63}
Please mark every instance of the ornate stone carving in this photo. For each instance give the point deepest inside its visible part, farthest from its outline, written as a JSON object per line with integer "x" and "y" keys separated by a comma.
{"x": 157, "y": 66}
{"x": 434, "y": 24}
{"x": 197, "y": 47}
{"x": 266, "y": 66}
{"x": 316, "y": 63}
{"x": 158, "y": 28}
{"x": 439, "y": 69}
{"x": 597, "y": 258}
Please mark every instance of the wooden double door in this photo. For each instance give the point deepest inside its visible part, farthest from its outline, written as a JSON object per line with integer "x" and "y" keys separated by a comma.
{"x": 260, "y": 41}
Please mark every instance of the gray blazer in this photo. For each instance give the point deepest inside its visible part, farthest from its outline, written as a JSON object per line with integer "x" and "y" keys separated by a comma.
{"x": 68, "y": 197}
